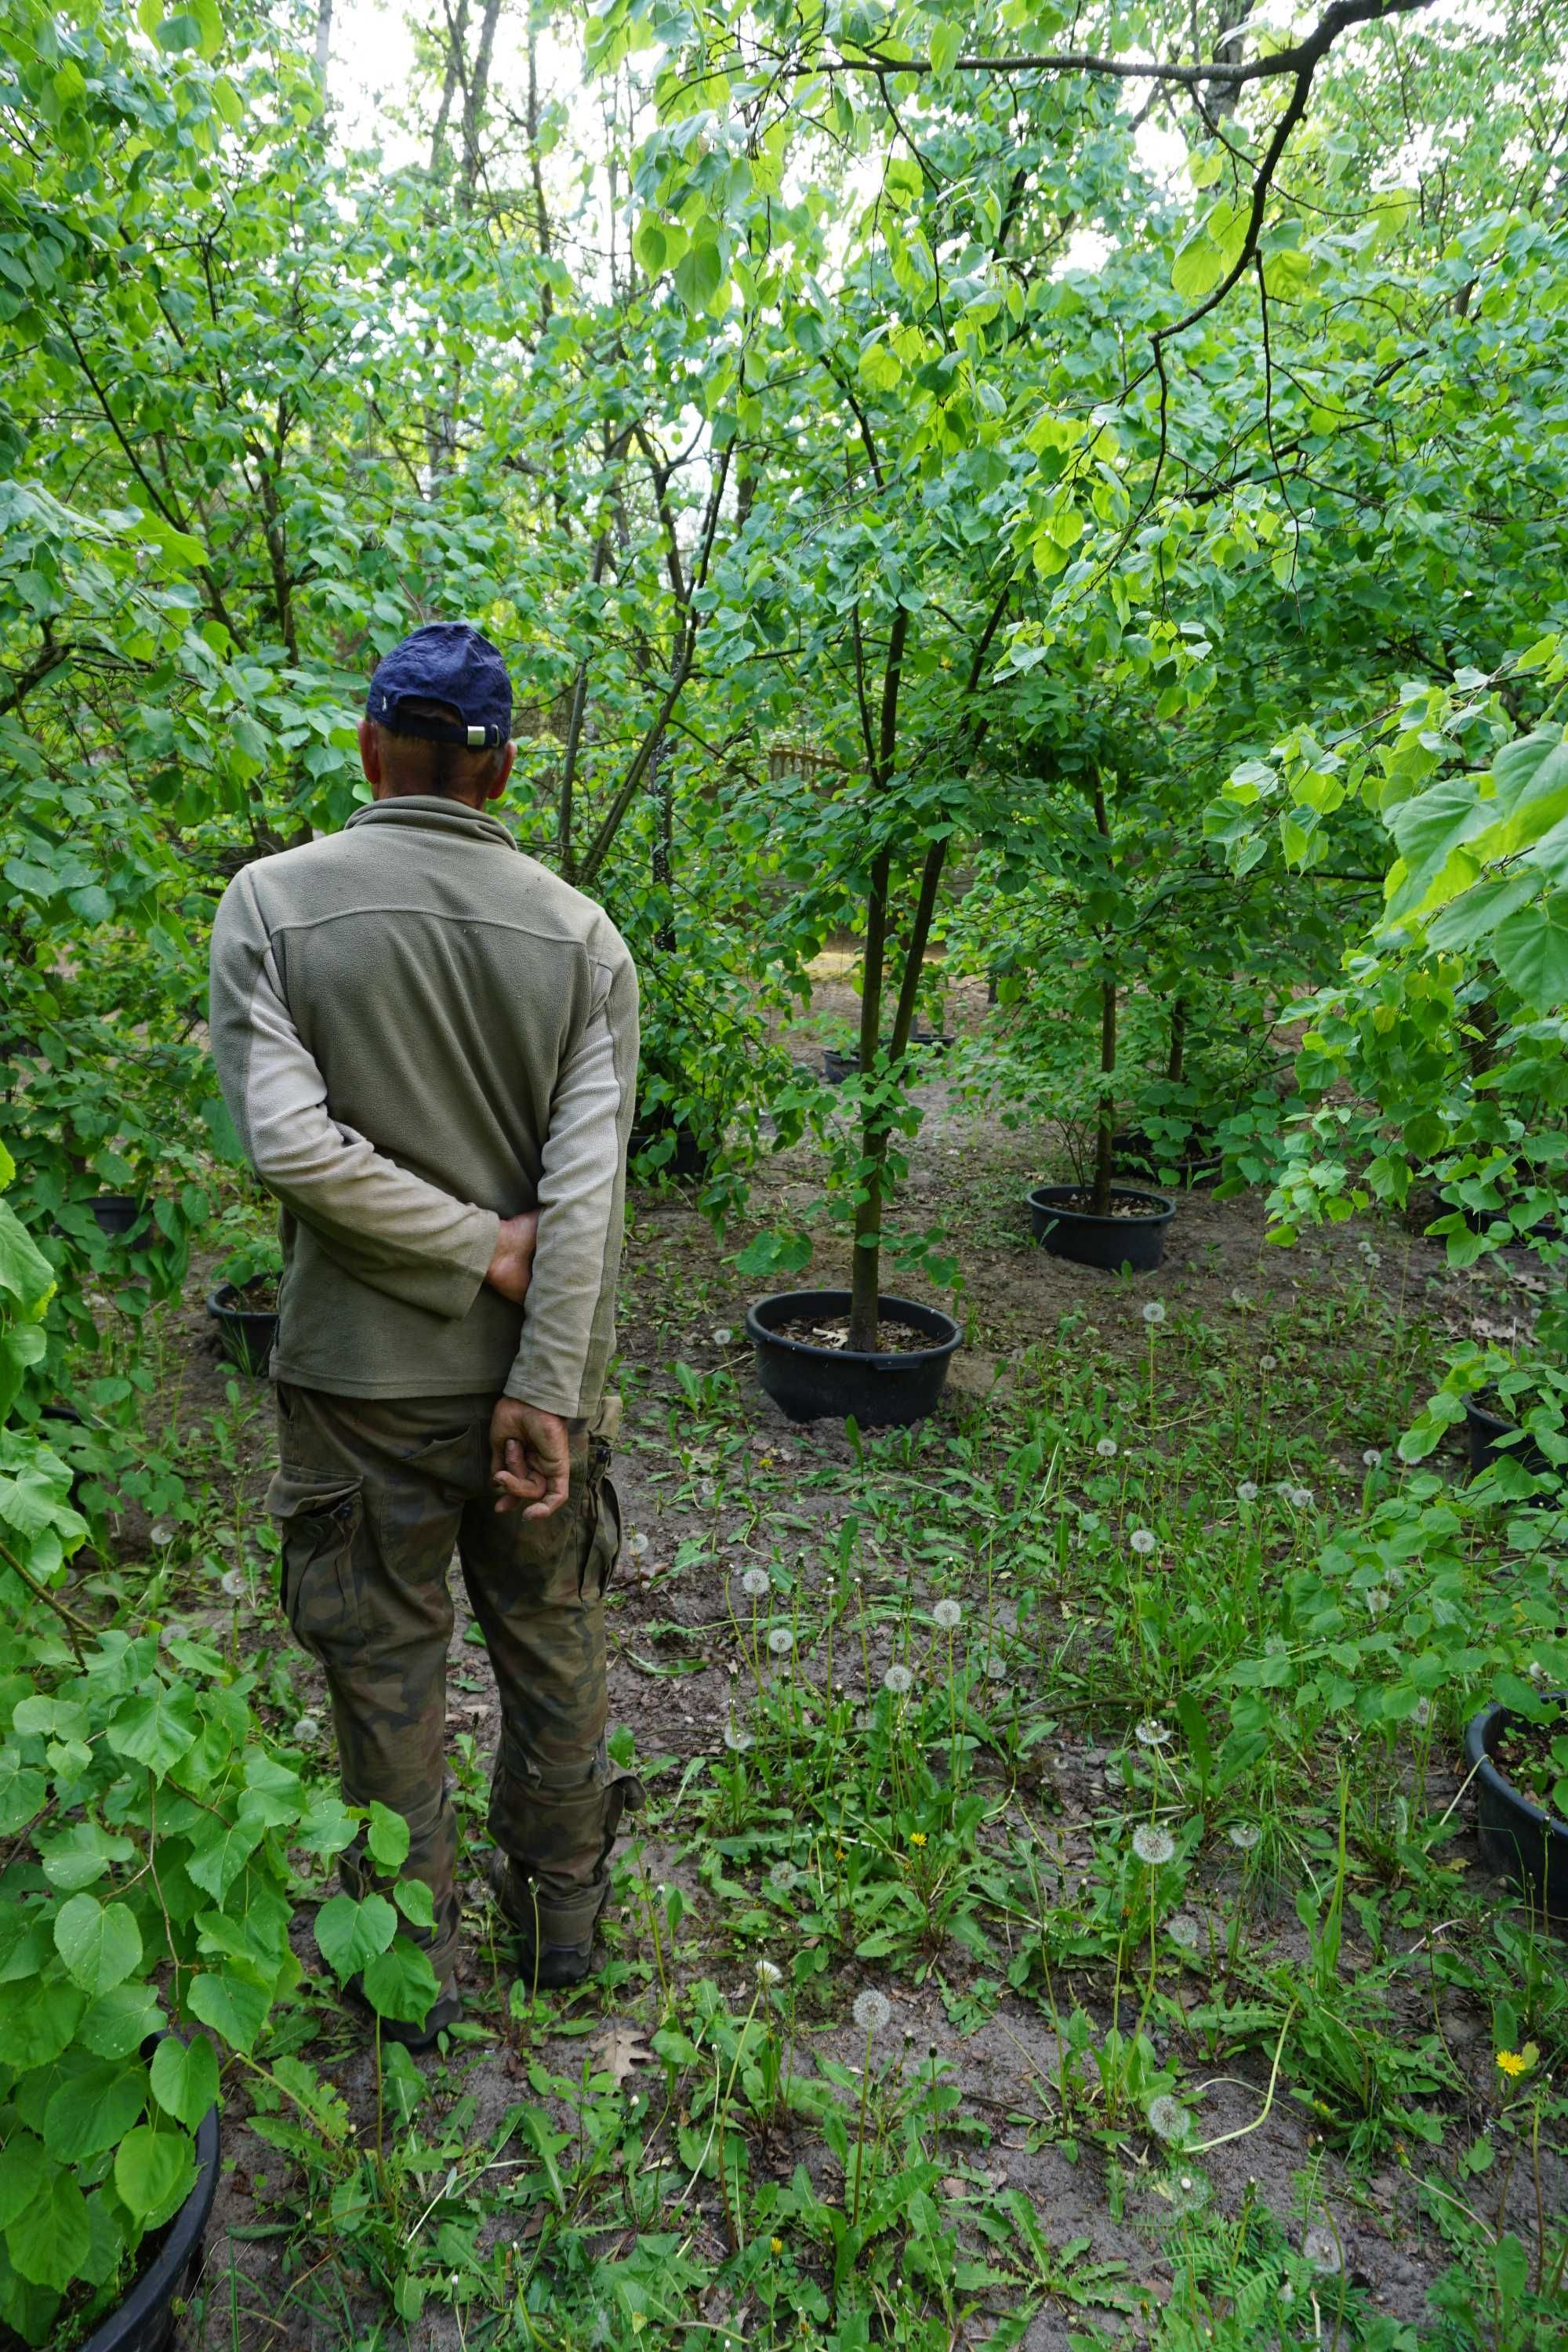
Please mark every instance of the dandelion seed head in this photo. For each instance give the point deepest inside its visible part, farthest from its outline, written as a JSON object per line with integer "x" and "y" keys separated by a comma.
{"x": 947, "y": 1614}
{"x": 1153, "y": 1845}
{"x": 769, "y": 1974}
{"x": 162, "y": 1531}
{"x": 784, "y": 1875}
{"x": 722, "y": 1336}
{"x": 1169, "y": 2120}
{"x": 307, "y": 1729}
{"x": 871, "y": 2011}
{"x": 1372, "y": 1459}
{"x": 781, "y": 1641}
{"x": 756, "y": 1582}
{"x": 637, "y": 1543}
{"x": 1106, "y": 1449}
{"x": 1152, "y": 1732}
{"x": 1144, "y": 1541}
{"x": 1243, "y": 1835}
{"x": 1268, "y": 1363}
{"x": 233, "y": 1583}
{"x": 997, "y": 1670}
{"x": 1300, "y": 1498}
{"x": 1247, "y": 1491}
{"x": 1423, "y": 1712}
{"x": 1183, "y": 1931}
{"x": 1154, "y": 1311}
{"x": 735, "y": 1739}
{"x": 1376, "y": 1601}
{"x": 899, "y": 1681}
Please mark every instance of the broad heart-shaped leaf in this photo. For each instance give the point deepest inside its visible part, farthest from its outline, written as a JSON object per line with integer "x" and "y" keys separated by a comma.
{"x": 94, "y": 2109}
{"x": 99, "y": 1943}
{"x": 21, "y": 2169}
{"x": 220, "y": 1860}
{"x": 120, "y": 2022}
{"x": 1531, "y": 953}
{"x": 184, "y": 2077}
{"x": 1428, "y": 829}
{"x": 154, "y": 2170}
{"x": 38, "y": 2018}
{"x": 49, "y": 2239}
{"x": 401, "y": 1983}
{"x": 26, "y": 1274}
{"x": 327, "y": 1828}
{"x": 387, "y": 1837}
{"x": 699, "y": 274}
{"x": 155, "y": 1729}
{"x": 1532, "y": 780}
{"x": 231, "y": 2004}
{"x": 350, "y": 1933}
{"x": 1465, "y": 922}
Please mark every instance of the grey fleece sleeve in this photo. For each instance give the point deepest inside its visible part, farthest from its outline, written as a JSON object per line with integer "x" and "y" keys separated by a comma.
{"x": 387, "y": 1228}
{"x": 569, "y": 1316}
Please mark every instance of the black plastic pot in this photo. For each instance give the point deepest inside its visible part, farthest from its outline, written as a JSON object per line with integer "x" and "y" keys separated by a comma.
{"x": 1135, "y": 1245}
{"x": 837, "y": 1067}
{"x": 114, "y": 1214}
{"x": 1485, "y": 1430}
{"x": 815, "y": 1384}
{"x": 691, "y": 1158}
{"x": 247, "y": 1334}
{"x": 145, "y": 2321}
{"x": 1517, "y": 1839}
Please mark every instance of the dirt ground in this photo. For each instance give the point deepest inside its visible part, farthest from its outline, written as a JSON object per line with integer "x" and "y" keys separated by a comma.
{"x": 674, "y": 1651}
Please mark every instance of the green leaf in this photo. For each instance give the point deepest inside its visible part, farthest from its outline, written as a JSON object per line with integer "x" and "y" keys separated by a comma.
{"x": 216, "y": 1866}
{"x": 232, "y": 2005}
{"x": 946, "y": 46}
{"x": 26, "y": 1273}
{"x": 38, "y": 2019}
{"x": 121, "y": 2021}
{"x": 99, "y": 1943}
{"x": 387, "y": 1837}
{"x": 92, "y": 2110}
{"x": 184, "y": 2077}
{"x": 153, "y": 2171}
{"x": 350, "y": 1934}
{"x": 21, "y": 2169}
{"x": 1531, "y": 953}
{"x": 156, "y": 1729}
{"x": 49, "y": 2239}
{"x": 401, "y": 1983}
{"x": 415, "y": 1902}
{"x": 327, "y": 1828}
{"x": 699, "y": 274}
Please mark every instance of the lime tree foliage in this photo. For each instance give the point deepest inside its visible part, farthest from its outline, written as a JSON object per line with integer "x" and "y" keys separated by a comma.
{"x": 1084, "y": 494}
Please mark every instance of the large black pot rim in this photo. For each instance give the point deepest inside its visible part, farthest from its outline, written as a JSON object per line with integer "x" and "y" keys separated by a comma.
{"x": 1049, "y": 1197}
{"x": 1478, "y": 1755}
{"x": 130, "y": 2325}
{"x": 946, "y": 1334}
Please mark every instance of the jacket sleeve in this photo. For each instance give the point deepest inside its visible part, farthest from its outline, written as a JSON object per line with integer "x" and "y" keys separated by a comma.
{"x": 569, "y": 1316}
{"x": 387, "y": 1227}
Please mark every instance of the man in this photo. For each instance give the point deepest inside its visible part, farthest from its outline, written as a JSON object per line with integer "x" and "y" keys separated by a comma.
{"x": 428, "y": 1047}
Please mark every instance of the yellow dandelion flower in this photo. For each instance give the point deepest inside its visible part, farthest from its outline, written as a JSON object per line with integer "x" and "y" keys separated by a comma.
{"x": 1515, "y": 2063}
{"x": 917, "y": 1837}
{"x": 776, "y": 2245}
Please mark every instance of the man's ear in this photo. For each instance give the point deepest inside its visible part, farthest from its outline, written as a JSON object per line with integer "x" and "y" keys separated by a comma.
{"x": 370, "y": 751}
{"x": 497, "y": 784}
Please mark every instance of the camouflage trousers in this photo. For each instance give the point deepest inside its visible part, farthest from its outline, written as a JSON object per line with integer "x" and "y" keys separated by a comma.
{"x": 372, "y": 1495}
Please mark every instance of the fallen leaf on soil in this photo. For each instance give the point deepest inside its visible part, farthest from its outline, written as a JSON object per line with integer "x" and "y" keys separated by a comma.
{"x": 619, "y": 2050}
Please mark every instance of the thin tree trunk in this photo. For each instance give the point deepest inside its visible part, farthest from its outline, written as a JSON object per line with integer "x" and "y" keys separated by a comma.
{"x": 474, "y": 98}
{"x": 323, "y": 43}
{"x": 865, "y": 1273}
{"x": 664, "y": 843}
{"x": 536, "y": 174}
{"x": 1176, "y": 1067}
{"x": 1100, "y": 1201}
{"x": 457, "y": 32}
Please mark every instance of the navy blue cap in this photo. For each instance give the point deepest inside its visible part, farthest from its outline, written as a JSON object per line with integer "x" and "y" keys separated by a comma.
{"x": 450, "y": 662}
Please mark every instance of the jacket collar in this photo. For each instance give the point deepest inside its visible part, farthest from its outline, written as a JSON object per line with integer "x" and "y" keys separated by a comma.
{"x": 434, "y": 813}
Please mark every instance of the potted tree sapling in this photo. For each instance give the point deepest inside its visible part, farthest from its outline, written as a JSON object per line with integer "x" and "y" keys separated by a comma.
{"x": 244, "y": 1305}
{"x": 1518, "y": 1753}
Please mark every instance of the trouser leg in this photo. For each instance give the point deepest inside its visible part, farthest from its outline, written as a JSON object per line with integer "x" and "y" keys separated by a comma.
{"x": 369, "y": 1497}
{"x": 537, "y": 1587}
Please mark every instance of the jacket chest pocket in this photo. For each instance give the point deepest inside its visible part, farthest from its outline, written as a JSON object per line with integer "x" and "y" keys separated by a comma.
{"x": 320, "y": 1515}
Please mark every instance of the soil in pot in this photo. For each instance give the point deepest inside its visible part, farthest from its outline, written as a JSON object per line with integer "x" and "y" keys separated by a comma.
{"x": 1522, "y": 1835}
{"x": 1131, "y": 1237}
{"x": 805, "y": 1364}
{"x": 247, "y": 1320}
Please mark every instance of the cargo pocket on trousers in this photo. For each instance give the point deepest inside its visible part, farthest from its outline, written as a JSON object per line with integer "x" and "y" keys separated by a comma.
{"x": 319, "y": 1515}
{"x": 604, "y": 1538}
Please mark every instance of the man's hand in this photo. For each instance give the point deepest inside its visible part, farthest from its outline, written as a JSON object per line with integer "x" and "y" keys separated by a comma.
{"x": 510, "y": 1268}
{"x": 530, "y": 1458}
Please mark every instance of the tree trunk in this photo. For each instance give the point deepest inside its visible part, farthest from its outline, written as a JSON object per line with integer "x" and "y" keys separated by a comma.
{"x": 1106, "y": 1129}
{"x": 323, "y": 43}
{"x": 865, "y": 1274}
{"x": 1177, "y": 1065}
{"x": 474, "y": 98}
{"x": 664, "y": 843}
